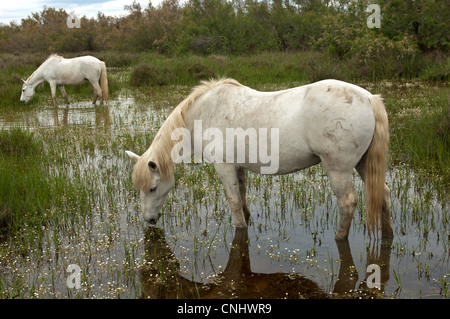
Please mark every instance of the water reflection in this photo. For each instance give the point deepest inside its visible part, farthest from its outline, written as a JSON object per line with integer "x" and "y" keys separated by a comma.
{"x": 161, "y": 275}
{"x": 348, "y": 276}
{"x": 81, "y": 116}
{"x": 75, "y": 114}
{"x": 65, "y": 118}
{"x": 102, "y": 117}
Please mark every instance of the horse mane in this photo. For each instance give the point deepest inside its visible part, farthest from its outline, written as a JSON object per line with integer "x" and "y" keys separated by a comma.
{"x": 55, "y": 55}
{"x": 162, "y": 145}
{"x": 51, "y": 56}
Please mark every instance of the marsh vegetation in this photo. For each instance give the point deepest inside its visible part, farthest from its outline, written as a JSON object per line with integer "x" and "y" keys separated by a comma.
{"x": 66, "y": 195}
{"x": 67, "y": 198}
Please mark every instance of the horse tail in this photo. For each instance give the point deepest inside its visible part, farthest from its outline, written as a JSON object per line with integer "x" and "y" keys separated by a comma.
{"x": 104, "y": 82}
{"x": 376, "y": 163}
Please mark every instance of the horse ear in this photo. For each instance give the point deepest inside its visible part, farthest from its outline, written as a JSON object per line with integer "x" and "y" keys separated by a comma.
{"x": 133, "y": 157}
{"x": 152, "y": 166}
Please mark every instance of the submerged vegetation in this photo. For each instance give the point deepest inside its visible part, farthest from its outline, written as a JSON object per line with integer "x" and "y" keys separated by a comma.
{"x": 87, "y": 212}
{"x": 32, "y": 193}
{"x": 66, "y": 195}
{"x": 19, "y": 165}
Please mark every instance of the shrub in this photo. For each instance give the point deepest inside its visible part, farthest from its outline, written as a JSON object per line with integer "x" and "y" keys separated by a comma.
{"x": 145, "y": 74}
{"x": 436, "y": 67}
{"x": 200, "y": 72}
{"x": 118, "y": 59}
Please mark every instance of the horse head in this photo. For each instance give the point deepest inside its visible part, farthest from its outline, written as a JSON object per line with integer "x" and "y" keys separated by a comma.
{"x": 153, "y": 188}
{"x": 27, "y": 92}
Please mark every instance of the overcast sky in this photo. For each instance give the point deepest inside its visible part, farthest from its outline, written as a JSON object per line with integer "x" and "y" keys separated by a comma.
{"x": 15, "y": 10}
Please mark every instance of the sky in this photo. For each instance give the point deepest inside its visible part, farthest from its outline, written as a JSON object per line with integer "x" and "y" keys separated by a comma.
{"x": 15, "y": 10}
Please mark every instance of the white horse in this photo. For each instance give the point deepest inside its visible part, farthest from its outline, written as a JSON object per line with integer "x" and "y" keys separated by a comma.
{"x": 58, "y": 71}
{"x": 333, "y": 122}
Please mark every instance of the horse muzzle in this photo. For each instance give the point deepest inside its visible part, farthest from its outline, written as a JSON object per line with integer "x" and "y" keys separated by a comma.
{"x": 152, "y": 219}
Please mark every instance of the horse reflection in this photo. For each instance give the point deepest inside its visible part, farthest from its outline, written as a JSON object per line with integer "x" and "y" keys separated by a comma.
{"x": 161, "y": 279}
{"x": 102, "y": 117}
{"x": 347, "y": 282}
{"x": 161, "y": 275}
{"x": 65, "y": 119}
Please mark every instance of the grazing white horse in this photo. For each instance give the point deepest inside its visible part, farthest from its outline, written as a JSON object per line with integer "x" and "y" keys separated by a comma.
{"x": 58, "y": 71}
{"x": 333, "y": 122}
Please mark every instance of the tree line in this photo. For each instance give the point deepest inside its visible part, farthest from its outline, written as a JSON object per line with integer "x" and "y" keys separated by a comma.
{"x": 240, "y": 27}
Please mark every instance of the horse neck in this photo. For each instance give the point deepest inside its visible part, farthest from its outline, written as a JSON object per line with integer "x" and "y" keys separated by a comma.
{"x": 38, "y": 76}
{"x": 35, "y": 79}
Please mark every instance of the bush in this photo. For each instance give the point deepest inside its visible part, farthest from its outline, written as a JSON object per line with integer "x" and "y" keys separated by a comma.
{"x": 145, "y": 74}
{"x": 118, "y": 59}
{"x": 436, "y": 67}
{"x": 231, "y": 27}
{"x": 200, "y": 72}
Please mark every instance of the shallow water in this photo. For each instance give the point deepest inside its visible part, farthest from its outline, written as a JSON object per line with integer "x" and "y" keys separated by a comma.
{"x": 195, "y": 251}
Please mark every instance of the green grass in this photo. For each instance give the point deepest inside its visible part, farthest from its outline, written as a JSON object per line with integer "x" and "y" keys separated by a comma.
{"x": 154, "y": 69}
{"x": 24, "y": 191}
{"x": 31, "y": 194}
{"x": 419, "y": 119}
{"x": 303, "y": 66}
{"x": 66, "y": 196}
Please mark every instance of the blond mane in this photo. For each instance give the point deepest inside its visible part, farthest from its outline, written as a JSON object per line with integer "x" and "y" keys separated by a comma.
{"x": 162, "y": 145}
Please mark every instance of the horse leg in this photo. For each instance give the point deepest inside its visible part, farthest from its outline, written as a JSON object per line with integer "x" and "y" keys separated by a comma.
{"x": 229, "y": 176}
{"x": 342, "y": 185}
{"x": 348, "y": 275}
{"x": 63, "y": 91}
{"x": 386, "y": 221}
{"x": 53, "y": 90}
{"x": 97, "y": 92}
{"x": 243, "y": 191}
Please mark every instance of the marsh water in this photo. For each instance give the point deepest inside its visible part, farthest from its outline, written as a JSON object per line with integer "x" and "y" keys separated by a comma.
{"x": 195, "y": 251}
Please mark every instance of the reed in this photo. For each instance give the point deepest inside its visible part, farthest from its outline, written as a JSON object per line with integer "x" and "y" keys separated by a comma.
{"x": 84, "y": 209}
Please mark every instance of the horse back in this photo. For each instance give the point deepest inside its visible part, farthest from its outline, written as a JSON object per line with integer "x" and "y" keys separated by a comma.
{"x": 329, "y": 118}
{"x": 337, "y": 121}
{"x": 76, "y": 70}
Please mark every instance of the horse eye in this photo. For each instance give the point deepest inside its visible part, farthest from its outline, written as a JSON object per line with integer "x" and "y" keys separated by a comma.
{"x": 153, "y": 189}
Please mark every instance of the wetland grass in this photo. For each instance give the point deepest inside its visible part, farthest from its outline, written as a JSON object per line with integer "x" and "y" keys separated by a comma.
{"x": 89, "y": 211}
{"x": 24, "y": 191}
{"x": 420, "y": 126}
